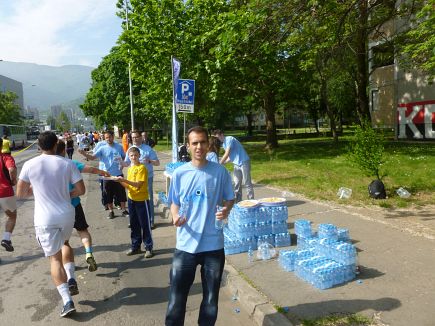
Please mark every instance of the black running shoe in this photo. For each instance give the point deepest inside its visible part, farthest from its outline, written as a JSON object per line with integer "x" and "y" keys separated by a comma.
{"x": 7, "y": 244}
{"x": 73, "y": 287}
{"x": 67, "y": 309}
{"x": 125, "y": 213}
{"x": 111, "y": 215}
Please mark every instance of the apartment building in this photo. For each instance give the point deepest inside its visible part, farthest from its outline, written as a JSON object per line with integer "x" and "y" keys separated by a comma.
{"x": 401, "y": 99}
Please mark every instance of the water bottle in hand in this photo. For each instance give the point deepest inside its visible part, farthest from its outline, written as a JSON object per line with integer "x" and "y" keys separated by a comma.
{"x": 117, "y": 160}
{"x": 184, "y": 209}
{"x": 219, "y": 224}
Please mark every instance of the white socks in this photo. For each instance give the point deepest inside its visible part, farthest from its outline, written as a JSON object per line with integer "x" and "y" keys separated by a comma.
{"x": 64, "y": 293}
{"x": 7, "y": 236}
{"x": 70, "y": 270}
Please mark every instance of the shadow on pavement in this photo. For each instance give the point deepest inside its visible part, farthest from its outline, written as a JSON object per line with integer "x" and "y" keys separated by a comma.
{"x": 20, "y": 259}
{"x": 424, "y": 215}
{"x": 325, "y": 308}
{"x": 128, "y": 297}
{"x": 291, "y": 203}
{"x": 138, "y": 263}
{"x": 367, "y": 273}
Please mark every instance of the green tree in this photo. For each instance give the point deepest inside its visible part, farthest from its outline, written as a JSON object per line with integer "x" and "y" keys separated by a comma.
{"x": 419, "y": 45}
{"x": 253, "y": 60}
{"x": 161, "y": 29}
{"x": 63, "y": 123}
{"x": 9, "y": 110}
{"x": 155, "y": 32}
{"x": 108, "y": 100}
{"x": 51, "y": 121}
{"x": 367, "y": 150}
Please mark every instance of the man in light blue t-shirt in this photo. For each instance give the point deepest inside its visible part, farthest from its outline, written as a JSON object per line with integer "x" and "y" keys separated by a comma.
{"x": 235, "y": 153}
{"x": 196, "y": 189}
{"x": 111, "y": 155}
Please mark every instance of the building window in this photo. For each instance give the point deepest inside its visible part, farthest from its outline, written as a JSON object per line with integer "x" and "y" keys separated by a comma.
{"x": 382, "y": 55}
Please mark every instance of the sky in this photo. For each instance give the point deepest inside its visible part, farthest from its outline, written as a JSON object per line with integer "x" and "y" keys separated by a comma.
{"x": 58, "y": 32}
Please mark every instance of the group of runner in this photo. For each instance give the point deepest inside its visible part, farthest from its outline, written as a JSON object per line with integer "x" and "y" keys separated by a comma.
{"x": 58, "y": 209}
{"x": 200, "y": 186}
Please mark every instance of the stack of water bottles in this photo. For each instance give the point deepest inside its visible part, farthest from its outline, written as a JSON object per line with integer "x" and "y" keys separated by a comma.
{"x": 170, "y": 167}
{"x": 248, "y": 227}
{"x": 324, "y": 259}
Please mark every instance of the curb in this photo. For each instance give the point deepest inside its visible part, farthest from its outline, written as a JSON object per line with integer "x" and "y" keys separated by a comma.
{"x": 257, "y": 305}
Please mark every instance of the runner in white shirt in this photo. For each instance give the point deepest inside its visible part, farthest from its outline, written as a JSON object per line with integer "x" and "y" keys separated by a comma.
{"x": 47, "y": 177}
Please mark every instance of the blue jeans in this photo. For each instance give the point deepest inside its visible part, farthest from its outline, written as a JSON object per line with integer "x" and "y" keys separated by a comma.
{"x": 182, "y": 275}
{"x": 140, "y": 224}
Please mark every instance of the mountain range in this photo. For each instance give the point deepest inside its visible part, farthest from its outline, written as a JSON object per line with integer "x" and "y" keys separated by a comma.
{"x": 44, "y": 86}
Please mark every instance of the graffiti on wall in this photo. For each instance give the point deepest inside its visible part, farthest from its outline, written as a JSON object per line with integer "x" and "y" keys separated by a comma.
{"x": 416, "y": 120}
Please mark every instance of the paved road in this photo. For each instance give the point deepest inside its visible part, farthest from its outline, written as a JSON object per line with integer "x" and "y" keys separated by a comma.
{"x": 396, "y": 250}
{"x": 123, "y": 291}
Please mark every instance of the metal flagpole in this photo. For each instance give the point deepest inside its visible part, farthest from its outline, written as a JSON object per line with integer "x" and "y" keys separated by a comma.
{"x": 176, "y": 66}
{"x": 129, "y": 74}
{"x": 184, "y": 129}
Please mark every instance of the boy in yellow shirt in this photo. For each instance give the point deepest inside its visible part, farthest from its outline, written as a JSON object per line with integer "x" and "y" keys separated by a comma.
{"x": 137, "y": 186}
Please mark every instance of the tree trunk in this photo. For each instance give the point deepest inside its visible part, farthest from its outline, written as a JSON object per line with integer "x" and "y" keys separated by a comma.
{"x": 361, "y": 58}
{"x": 270, "y": 108}
{"x": 329, "y": 111}
{"x": 250, "y": 119}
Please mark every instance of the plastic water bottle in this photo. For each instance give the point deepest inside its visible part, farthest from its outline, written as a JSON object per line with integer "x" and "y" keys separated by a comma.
{"x": 117, "y": 160}
{"x": 250, "y": 255}
{"x": 219, "y": 224}
{"x": 344, "y": 193}
{"x": 403, "y": 193}
{"x": 184, "y": 209}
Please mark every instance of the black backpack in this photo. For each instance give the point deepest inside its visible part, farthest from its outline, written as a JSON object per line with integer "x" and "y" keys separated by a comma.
{"x": 377, "y": 190}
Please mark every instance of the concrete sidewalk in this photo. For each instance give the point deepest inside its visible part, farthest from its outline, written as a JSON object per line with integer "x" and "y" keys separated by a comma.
{"x": 396, "y": 250}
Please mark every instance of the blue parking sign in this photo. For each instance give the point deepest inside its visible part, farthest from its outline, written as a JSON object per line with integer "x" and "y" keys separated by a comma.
{"x": 185, "y": 96}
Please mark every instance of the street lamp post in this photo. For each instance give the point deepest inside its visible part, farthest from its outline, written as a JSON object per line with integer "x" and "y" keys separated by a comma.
{"x": 129, "y": 73}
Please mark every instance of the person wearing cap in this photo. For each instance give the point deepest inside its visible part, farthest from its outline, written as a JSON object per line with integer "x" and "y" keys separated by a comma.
{"x": 137, "y": 186}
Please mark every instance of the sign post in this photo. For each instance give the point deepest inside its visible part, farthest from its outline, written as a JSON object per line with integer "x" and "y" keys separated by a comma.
{"x": 185, "y": 99}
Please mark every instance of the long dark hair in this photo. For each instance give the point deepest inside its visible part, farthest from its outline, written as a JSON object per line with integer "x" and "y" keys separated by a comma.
{"x": 214, "y": 145}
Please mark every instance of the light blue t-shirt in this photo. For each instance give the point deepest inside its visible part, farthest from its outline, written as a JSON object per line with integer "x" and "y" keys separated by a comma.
{"x": 212, "y": 157}
{"x": 99, "y": 144}
{"x": 108, "y": 155}
{"x": 238, "y": 154}
{"x": 145, "y": 152}
{"x": 203, "y": 188}
{"x": 76, "y": 200}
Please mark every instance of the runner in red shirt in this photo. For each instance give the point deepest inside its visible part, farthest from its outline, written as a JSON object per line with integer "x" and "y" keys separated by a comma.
{"x": 8, "y": 178}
